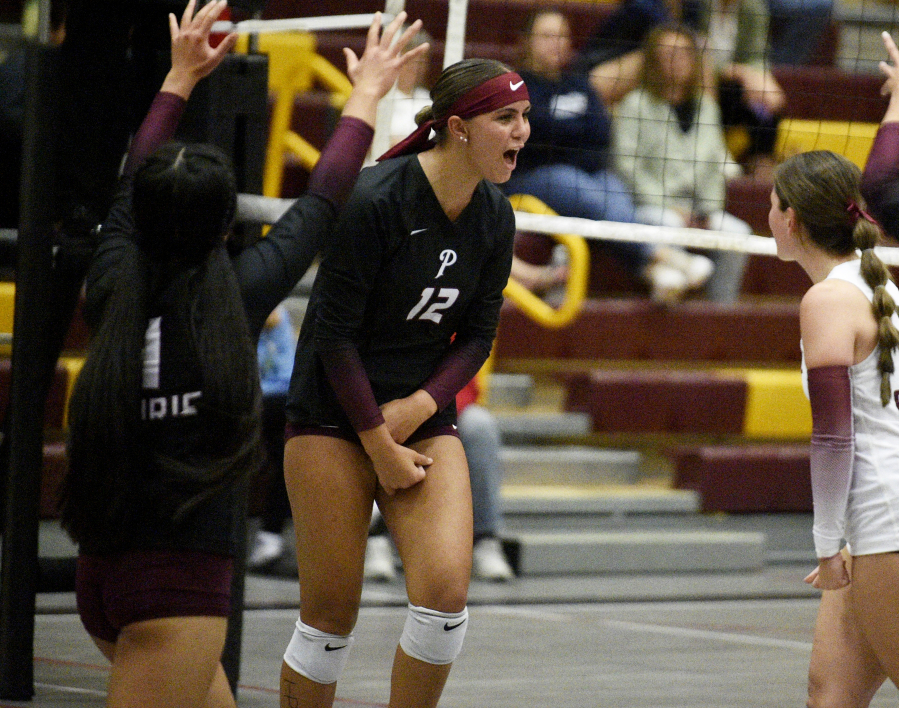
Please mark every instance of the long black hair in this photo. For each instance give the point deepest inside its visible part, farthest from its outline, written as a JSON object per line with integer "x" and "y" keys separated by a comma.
{"x": 183, "y": 205}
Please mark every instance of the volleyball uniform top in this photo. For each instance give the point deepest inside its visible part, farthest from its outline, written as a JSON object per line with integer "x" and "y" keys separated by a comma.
{"x": 869, "y": 515}
{"x": 404, "y": 300}
{"x": 265, "y": 272}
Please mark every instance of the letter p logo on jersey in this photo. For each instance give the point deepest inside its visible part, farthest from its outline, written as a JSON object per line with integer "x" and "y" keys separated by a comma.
{"x": 447, "y": 258}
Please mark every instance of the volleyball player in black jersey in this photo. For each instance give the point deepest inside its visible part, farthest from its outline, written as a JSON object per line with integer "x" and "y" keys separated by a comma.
{"x": 165, "y": 414}
{"x": 402, "y": 315}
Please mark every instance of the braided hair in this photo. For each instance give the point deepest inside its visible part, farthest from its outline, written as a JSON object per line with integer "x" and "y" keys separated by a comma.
{"x": 823, "y": 189}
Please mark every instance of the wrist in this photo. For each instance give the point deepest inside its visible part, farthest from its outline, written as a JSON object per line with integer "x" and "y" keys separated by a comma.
{"x": 375, "y": 439}
{"x": 425, "y": 401}
{"x": 179, "y": 83}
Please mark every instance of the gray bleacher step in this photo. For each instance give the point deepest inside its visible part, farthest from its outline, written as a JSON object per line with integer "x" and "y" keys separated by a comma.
{"x": 549, "y": 508}
{"x": 523, "y": 428}
{"x": 570, "y": 464}
{"x": 511, "y": 390}
{"x": 644, "y": 551}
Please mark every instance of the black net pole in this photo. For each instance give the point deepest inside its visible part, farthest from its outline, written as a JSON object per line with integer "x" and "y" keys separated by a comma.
{"x": 19, "y": 573}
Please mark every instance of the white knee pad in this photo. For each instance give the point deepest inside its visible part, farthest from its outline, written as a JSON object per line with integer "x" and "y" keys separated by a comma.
{"x": 318, "y": 656}
{"x": 434, "y": 637}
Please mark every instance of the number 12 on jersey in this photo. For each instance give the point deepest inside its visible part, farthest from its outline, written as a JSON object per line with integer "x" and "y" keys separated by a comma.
{"x": 444, "y": 299}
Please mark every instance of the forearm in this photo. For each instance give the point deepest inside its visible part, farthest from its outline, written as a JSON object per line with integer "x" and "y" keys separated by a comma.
{"x": 347, "y": 376}
{"x": 460, "y": 365}
{"x": 158, "y": 127}
{"x": 337, "y": 168}
{"x": 831, "y": 454}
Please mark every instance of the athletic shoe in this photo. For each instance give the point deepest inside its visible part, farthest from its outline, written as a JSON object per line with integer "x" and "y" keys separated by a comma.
{"x": 666, "y": 284}
{"x": 696, "y": 268}
{"x": 379, "y": 564}
{"x": 267, "y": 548}
{"x": 489, "y": 562}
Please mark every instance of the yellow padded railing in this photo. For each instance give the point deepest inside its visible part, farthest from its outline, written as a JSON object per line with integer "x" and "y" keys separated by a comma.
{"x": 578, "y": 272}
{"x": 294, "y": 67}
{"x": 852, "y": 140}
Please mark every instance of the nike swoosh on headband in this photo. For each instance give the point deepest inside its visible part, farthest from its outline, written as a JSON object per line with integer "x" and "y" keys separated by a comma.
{"x": 517, "y": 86}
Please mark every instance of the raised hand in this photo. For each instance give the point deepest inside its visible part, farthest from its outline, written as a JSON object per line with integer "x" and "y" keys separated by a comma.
{"x": 375, "y": 72}
{"x": 193, "y": 58}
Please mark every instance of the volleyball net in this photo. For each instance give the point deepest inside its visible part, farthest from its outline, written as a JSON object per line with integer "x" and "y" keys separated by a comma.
{"x": 829, "y": 101}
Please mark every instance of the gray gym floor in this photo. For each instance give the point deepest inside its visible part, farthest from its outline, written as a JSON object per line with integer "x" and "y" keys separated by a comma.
{"x": 636, "y": 641}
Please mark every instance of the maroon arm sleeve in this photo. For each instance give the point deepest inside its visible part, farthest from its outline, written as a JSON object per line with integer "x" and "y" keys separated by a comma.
{"x": 347, "y": 377}
{"x": 460, "y": 365}
{"x": 336, "y": 170}
{"x": 880, "y": 179}
{"x": 831, "y": 454}
{"x": 158, "y": 127}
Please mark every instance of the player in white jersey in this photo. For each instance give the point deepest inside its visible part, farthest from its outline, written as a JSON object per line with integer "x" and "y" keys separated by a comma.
{"x": 849, "y": 330}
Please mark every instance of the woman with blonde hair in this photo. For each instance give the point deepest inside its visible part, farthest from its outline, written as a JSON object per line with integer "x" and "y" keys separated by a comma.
{"x": 848, "y": 324}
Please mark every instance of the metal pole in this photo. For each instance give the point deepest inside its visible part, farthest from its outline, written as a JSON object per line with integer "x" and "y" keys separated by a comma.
{"x": 19, "y": 563}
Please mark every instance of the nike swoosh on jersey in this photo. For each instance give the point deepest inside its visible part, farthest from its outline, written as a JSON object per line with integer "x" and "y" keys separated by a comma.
{"x": 416, "y": 231}
{"x": 450, "y": 627}
{"x": 517, "y": 86}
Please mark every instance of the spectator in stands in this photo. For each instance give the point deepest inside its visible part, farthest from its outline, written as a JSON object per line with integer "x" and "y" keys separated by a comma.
{"x": 880, "y": 180}
{"x": 566, "y": 163}
{"x": 275, "y": 352}
{"x": 735, "y": 34}
{"x": 613, "y": 55}
{"x": 797, "y": 29}
{"x": 848, "y": 322}
{"x": 669, "y": 147}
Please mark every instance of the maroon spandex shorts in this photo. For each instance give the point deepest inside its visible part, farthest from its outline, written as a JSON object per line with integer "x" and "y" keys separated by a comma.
{"x": 423, "y": 433}
{"x": 113, "y": 591}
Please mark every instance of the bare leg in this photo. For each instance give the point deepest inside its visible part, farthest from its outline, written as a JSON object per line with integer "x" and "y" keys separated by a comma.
{"x": 331, "y": 486}
{"x": 843, "y": 671}
{"x": 172, "y": 662}
{"x": 431, "y": 524}
{"x": 874, "y": 594}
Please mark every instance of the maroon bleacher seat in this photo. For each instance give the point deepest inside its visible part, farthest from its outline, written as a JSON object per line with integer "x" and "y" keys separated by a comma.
{"x": 746, "y": 478}
{"x": 659, "y": 401}
{"x": 637, "y": 329}
{"x": 830, "y": 93}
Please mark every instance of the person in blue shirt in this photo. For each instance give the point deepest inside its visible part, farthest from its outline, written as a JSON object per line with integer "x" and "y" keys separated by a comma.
{"x": 275, "y": 352}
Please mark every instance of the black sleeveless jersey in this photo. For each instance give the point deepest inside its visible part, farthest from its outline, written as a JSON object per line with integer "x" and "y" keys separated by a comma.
{"x": 398, "y": 281}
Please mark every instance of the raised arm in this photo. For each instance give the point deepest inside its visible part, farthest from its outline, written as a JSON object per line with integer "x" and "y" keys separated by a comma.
{"x": 192, "y": 59}
{"x": 880, "y": 179}
{"x": 270, "y": 269}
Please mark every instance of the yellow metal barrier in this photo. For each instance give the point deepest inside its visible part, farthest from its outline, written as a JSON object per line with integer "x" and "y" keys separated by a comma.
{"x": 578, "y": 271}
{"x": 293, "y": 68}
{"x": 853, "y": 140}
{"x": 533, "y": 306}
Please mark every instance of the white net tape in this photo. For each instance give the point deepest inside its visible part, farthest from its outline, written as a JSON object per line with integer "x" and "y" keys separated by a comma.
{"x": 299, "y": 24}
{"x": 258, "y": 209}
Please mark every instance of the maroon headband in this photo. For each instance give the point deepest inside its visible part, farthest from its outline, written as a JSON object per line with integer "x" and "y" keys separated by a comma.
{"x": 497, "y": 92}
